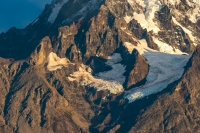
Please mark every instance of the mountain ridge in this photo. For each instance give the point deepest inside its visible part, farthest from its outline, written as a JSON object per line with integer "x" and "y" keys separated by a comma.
{"x": 123, "y": 66}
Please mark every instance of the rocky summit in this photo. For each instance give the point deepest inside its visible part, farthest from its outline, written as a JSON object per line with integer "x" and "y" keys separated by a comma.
{"x": 103, "y": 66}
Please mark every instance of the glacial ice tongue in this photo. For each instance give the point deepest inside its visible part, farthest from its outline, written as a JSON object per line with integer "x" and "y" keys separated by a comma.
{"x": 111, "y": 80}
{"x": 165, "y": 68}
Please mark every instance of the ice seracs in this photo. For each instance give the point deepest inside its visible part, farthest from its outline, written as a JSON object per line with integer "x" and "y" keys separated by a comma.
{"x": 164, "y": 68}
{"x": 85, "y": 78}
{"x": 167, "y": 64}
{"x": 109, "y": 80}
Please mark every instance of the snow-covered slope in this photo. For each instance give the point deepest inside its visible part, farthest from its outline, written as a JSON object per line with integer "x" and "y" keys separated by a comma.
{"x": 116, "y": 74}
{"x": 146, "y": 16}
{"x": 109, "y": 80}
{"x": 166, "y": 65}
{"x": 165, "y": 68}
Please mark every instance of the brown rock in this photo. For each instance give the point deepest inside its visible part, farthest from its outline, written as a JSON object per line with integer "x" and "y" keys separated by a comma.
{"x": 136, "y": 70}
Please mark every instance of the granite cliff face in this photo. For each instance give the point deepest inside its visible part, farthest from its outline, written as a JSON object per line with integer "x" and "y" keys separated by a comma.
{"x": 103, "y": 66}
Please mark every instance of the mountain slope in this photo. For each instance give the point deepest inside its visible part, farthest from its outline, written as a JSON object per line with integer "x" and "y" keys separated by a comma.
{"x": 177, "y": 110}
{"x": 102, "y": 66}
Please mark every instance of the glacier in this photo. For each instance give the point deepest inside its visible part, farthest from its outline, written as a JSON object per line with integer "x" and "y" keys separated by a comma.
{"x": 164, "y": 68}
{"x": 111, "y": 80}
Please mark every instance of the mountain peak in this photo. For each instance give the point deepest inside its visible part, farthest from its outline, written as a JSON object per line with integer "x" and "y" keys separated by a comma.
{"x": 103, "y": 66}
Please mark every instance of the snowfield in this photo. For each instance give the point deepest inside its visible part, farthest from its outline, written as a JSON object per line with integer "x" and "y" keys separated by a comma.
{"x": 116, "y": 74}
{"x": 165, "y": 68}
{"x": 86, "y": 79}
{"x": 109, "y": 80}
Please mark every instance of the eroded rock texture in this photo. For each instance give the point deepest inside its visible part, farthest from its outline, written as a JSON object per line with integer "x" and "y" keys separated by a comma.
{"x": 49, "y": 71}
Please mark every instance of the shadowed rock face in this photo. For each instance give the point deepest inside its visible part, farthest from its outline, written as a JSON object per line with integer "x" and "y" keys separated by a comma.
{"x": 136, "y": 70}
{"x": 49, "y": 71}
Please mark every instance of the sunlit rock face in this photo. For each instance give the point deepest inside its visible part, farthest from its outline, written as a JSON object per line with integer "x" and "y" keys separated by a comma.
{"x": 98, "y": 66}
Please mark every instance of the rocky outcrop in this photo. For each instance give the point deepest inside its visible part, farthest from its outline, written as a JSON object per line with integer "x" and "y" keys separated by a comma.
{"x": 136, "y": 70}
{"x": 42, "y": 51}
{"x": 40, "y": 93}
{"x": 98, "y": 64}
{"x": 165, "y": 17}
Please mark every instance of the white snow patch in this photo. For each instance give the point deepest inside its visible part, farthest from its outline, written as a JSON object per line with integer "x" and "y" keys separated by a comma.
{"x": 164, "y": 69}
{"x": 128, "y": 18}
{"x": 86, "y": 79}
{"x": 116, "y": 74}
{"x": 55, "y": 62}
{"x": 141, "y": 19}
{"x": 55, "y": 11}
{"x": 150, "y": 7}
{"x": 143, "y": 3}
